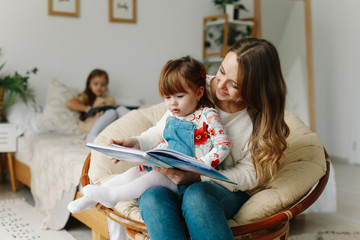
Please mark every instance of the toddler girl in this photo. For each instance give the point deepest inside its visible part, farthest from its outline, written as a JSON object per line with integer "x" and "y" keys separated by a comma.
{"x": 191, "y": 126}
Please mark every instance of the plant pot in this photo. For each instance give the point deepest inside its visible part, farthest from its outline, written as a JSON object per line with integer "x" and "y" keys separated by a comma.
{"x": 229, "y": 10}
{"x": 236, "y": 14}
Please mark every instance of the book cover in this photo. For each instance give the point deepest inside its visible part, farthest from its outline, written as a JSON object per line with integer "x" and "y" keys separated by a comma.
{"x": 159, "y": 157}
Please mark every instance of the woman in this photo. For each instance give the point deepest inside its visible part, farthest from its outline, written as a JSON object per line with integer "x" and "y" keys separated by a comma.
{"x": 249, "y": 93}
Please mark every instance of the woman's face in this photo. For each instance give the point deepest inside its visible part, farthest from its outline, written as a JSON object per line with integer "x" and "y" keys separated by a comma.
{"x": 227, "y": 79}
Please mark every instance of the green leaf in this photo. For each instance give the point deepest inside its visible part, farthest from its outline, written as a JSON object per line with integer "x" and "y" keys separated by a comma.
{"x": 17, "y": 87}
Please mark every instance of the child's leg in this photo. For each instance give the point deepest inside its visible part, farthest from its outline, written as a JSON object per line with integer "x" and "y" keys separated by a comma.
{"x": 84, "y": 202}
{"x": 108, "y": 117}
{"x": 121, "y": 111}
{"x": 110, "y": 196}
{"x": 81, "y": 204}
{"x": 130, "y": 175}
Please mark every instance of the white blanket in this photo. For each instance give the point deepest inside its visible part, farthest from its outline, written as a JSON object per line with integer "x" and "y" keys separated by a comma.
{"x": 56, "y": 164}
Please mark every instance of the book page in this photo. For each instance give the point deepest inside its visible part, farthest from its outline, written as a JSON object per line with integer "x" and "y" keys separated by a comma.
{"x": 121, "y": 153}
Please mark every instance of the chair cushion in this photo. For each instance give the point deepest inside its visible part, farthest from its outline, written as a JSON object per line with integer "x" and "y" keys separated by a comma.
{"x": 132, "y": 124}
{"x": 302, "y": 166}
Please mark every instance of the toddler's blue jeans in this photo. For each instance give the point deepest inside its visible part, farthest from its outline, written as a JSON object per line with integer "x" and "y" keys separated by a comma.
{"x": 203, "y": 212}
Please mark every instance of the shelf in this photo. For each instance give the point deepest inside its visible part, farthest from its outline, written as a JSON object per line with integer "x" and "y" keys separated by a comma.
{"x": 222, "y": 21}
{"x": 219, "y": 50}
{"x": 215, "y": 59}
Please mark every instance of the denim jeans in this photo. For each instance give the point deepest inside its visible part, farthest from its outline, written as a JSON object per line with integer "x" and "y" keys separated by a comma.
{"x": 202, "y": 211}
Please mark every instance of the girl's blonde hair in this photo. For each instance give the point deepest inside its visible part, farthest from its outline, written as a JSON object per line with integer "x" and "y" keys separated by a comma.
{"x": 262, "y": 87}
{"x": 184, "y": 69}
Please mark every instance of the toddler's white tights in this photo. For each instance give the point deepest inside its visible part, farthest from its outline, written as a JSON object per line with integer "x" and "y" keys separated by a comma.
{"x": 126, "y": 186}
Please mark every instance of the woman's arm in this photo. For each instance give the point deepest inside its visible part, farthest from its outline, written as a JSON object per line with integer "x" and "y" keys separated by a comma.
{"x": 238, "y": 166}
{"x": 243, "y": 173}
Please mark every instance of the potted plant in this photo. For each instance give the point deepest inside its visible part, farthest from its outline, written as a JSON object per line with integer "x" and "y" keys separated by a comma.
{"x": 230, "y": 7}
{"x": 13, "y": 87}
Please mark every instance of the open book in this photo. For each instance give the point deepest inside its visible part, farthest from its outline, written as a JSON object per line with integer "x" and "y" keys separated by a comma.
{"x": 159, "y": 157}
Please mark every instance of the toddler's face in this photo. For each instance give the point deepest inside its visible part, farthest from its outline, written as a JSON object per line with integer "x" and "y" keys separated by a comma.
{"x": 183, "y": 103}
{"x": 98, "y": 85}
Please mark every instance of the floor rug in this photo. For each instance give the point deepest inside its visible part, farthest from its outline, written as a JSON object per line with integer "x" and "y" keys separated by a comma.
{"x": 329, "y": 235}
{"x": 19, "y": 220}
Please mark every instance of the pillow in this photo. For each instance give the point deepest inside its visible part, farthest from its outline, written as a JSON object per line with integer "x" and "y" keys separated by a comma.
{"x": 26, "y": 117}
{"x": 57, "y": 117}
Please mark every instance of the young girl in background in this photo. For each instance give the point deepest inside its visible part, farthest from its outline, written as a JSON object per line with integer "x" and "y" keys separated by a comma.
{"x": 96, "y": 107}
{"x": 191, "y": 126}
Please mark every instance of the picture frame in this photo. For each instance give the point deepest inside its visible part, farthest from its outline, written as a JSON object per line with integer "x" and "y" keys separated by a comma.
{"x": 122, "y": 11}
{"x": 68, "y": 8}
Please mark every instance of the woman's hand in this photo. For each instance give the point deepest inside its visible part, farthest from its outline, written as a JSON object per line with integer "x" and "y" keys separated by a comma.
{"x": 179, "y": 176}
{"x": 130, "y": 143}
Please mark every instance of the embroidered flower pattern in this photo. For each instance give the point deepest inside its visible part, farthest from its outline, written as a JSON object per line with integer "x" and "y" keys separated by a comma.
{"x": 215, "y": 163}
{"x": 212, "y": 132}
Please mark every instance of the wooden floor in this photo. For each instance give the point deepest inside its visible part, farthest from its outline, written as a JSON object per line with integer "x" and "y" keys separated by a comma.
{"x": 347, "y": 216}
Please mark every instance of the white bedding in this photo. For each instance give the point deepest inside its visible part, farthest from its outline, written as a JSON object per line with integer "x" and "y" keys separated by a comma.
{"x": 56, "y": 162}
{"x": 23, "y": 151}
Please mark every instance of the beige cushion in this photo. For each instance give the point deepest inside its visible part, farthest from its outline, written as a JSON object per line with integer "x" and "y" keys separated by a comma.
{"x": 57, "y": 117}
{"x": 132, "y": 124}
{"x": 301, "y": 167}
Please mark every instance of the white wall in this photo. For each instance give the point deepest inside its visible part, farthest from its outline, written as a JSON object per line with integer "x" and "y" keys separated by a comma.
{"x": 133, "y": 54}
{"x": 336, "y": 38}
{"x": 69, "y": 48}
{"x": 283, "y": 24}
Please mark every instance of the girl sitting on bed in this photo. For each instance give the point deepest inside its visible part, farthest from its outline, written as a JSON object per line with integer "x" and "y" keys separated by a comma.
{"x": 191, "y": 126}
{"x": 97, "y": 108}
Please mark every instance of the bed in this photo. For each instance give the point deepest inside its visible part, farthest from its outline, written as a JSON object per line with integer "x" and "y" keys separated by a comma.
{"x": 50, "y": 156}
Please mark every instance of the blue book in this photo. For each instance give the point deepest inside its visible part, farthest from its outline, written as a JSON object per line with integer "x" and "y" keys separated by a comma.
{"x": 159, "y": 157}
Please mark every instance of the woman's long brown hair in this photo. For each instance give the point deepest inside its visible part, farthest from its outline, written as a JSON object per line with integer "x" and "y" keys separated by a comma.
{"x": 262, "y": 87}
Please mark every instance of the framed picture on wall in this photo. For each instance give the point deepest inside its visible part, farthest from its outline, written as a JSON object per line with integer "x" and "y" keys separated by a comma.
{"x": 68, "y": 8}
{"x": 122, "y": 11}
